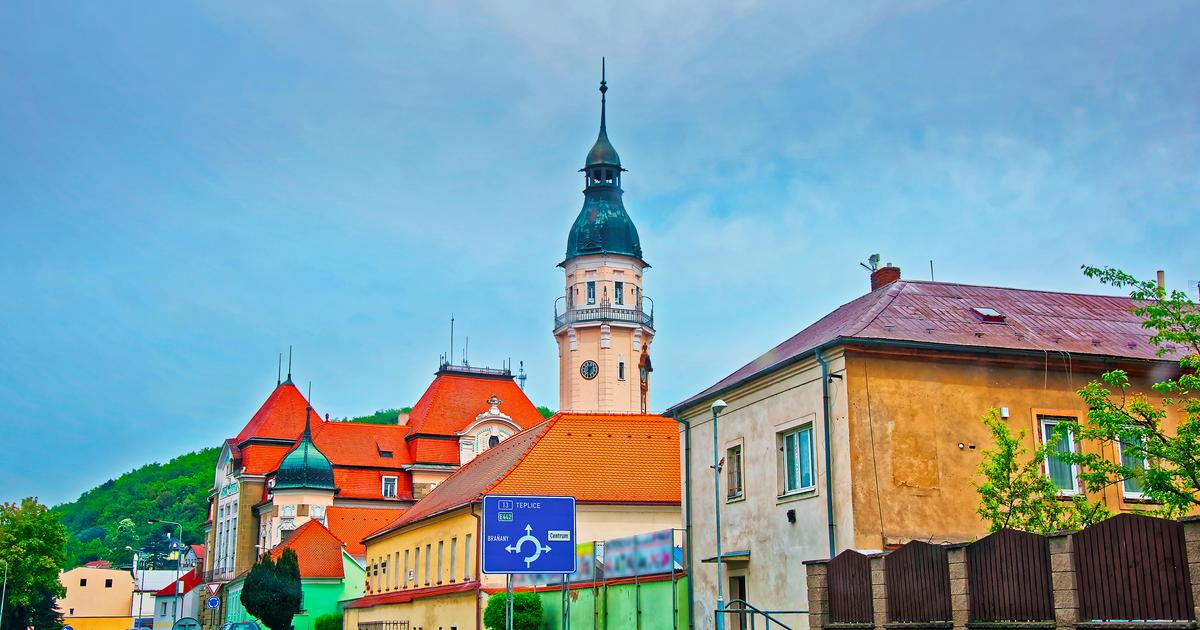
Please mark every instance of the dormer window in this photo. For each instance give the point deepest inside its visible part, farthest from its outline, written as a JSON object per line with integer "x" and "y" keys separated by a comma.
{"x": 988, "y": 315}
{"x": 385, "y": 454}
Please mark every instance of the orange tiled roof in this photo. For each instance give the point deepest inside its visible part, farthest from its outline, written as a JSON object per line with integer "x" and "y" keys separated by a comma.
{"x": 259, "y": 459}
{"x": 352, "y": 524}
{"x": 319, "y": 551}
{"x": 599, "y": 458}
{"x": 603, "y": 458}
{"x": 360, "y": 444}
{"x": 472, "y": 480}
{"x": 433, "y": 451}
{"x": 281, "y": 416}
{"x": 453, "y": 401}
{"x": 353, "y": 483}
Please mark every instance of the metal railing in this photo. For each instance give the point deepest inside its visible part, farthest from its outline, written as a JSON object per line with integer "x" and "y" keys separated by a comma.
{"x": 605, "y": 313}
{"x": 747, "y": 615}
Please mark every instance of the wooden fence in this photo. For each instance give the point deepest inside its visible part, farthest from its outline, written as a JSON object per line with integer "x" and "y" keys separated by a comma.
{"x": 1130, "y": 569}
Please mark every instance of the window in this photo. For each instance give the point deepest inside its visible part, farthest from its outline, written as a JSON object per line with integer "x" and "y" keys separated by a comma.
{"x": 453, "y": 556}
{"x": 439, "y": 565}
{"x": 287, "y": 511}
{"x": 416, "y": 564}
{"x": 428, "y": 552}
{"x": 621, "y": 367}
{"x": 733, "y": 464}
{"x": 591, "y": 292}
{"x": 467, "y": 558}
{"x": 1062, "y": 440}
{"x": 316, "y": 511}
{"x": 83, "y": 581}
{"x": 164, "y": 609}
{"x": 797, "y": 447}
{"x": 404, "y": 578}
{"x": 389, "y": 487}
{"x": 1133, "y": 458}
{"x": 108, "y": 583}
{"x": 619, "y": 292}
{"x": 385, "y": 454}
{"x": 493, "y": 440}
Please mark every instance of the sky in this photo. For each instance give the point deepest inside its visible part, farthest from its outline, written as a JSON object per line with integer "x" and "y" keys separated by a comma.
{"x": 188, "y": 189}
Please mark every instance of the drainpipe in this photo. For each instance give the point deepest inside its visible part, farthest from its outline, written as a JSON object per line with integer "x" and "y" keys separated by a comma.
{"x": 687, "y": 513}
{"x": 478, "y": 581}
{"x": 828, "y": 457}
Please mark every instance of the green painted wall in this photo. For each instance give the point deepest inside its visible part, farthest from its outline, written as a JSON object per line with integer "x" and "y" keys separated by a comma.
{"x": 321, "y": 597}
{"x": 616, "y": 607}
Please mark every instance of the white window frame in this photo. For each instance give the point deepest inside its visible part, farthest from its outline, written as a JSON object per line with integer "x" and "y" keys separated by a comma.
{"x": 619, "y": 292}
{"x": 1051, "y": 421}
{"x": 740, "y": 449}
{"x": 1128, "y": 494}
{"x": 383, "y": 490}
{"x": 591, "y": 292}
{"x": 812, "y": 460}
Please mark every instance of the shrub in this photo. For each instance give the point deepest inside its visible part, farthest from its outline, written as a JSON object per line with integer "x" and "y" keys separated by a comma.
{"x": 332, "y": 621}
{"x": 527, "y": 612}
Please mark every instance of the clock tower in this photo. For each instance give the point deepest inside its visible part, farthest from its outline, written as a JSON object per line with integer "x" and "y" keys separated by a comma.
{"x": 603, "y": 323}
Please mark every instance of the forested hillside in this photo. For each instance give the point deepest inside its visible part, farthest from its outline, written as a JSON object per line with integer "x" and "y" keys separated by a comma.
{"x": 108, "y": 518}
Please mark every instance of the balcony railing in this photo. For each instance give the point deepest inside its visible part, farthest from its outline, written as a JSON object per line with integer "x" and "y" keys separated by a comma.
{"x": 605, "y": 314}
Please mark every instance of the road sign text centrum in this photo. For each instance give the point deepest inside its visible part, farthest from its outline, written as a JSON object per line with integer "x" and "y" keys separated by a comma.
{"x": 528, "y": 534}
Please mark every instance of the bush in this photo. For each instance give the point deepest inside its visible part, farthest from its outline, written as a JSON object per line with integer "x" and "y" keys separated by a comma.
{"x": 332, "y": 621}
{"x": 527, "y": 612}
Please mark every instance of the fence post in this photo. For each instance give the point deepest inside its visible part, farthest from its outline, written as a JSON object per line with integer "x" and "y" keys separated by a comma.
{"x": 879, "y": 590}
{"x": 1191, "y": 538}
{"x": 960, "y": 590}
{"x": 818, "y": 593}
{"x": 1062, "y": 580}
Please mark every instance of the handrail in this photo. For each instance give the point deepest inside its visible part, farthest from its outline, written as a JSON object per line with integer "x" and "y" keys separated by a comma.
{"x": 745, "y": 608}
{"x": 605, "y": 313}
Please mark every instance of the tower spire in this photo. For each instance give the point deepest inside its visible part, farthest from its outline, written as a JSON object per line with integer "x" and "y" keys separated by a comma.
{"x": 308, "y": 413}
{"x": 603, "y": 90}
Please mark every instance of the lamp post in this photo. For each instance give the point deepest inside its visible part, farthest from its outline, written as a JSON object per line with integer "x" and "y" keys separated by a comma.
{"x": 3, "y": 592}
{"x": 178, "y": 562}
{"x": 141, "y": 578}
{"x": 717, "y": 407}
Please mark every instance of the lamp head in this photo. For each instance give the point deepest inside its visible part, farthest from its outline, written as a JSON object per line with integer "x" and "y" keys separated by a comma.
{"x": 718, "y": 406}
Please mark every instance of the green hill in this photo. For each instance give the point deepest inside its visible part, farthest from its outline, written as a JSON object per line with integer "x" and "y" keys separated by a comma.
{"x": 113, "y": 515}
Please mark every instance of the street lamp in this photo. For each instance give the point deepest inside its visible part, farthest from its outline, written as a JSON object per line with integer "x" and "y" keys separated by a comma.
{"x": 178, "y": 562}
{"x": 141, "y": 583}
{"x": 3, "y": 592}
{"x": 717, "y": 407}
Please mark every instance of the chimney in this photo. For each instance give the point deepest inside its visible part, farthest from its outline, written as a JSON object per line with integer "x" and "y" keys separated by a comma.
{"x": 884, "y": 276}
{"x": 1162, "y": 279}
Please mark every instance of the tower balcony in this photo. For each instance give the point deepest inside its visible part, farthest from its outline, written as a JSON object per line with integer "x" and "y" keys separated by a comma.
{"x": 634, "y": 314}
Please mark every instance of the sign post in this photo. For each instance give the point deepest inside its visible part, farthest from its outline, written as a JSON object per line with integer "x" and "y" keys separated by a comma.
{"x": 527, "y": 534}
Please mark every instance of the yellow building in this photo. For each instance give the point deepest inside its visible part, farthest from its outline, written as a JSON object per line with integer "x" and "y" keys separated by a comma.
{"x": 97, "y": 599}
{"x": 424, "y": 568}
{"x": 864, "y": 431}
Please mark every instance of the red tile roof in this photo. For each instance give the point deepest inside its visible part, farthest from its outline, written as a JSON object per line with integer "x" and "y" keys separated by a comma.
{"x": 198, "y": 550}
{"x": 190, "y": 580}
{"x": 434, "y": 451}
{"x": 317, "y": 549}
{"x": 453, "y": 401}
{"x": 408, "y": 595}
{"x": 600, "y": 458}
{"x": 941, "y": 313}
{"x": 281, "y": 416}
{"x": 353, "y": 483}
{"x": 360, "y": 444}
{"x": 259, "y": 459}
{"x": 352, "y": 524}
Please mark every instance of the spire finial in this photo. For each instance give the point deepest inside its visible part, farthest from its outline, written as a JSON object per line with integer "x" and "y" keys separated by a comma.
{"x": 603, "y": 90}
{"x": 308, "y": 413}
{"x": 289, "y": 378}
{"x": 279, "y": 371}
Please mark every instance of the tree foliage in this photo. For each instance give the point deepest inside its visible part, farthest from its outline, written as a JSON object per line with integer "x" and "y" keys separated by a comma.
{"x": 272, "y": 591}
{"x": 383, "y": 416}
{"x": 527, "y": 612}
{"x": 1016, "y": 492}
{"x": 331, "y": 621}
{"x": 112, "y": 516}
{"x": 31, "y": 543}
{"x": 545, "y": 411}
{"x": 1134, "y": 445}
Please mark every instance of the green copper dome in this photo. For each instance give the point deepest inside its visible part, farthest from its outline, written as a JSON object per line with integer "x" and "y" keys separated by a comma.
{"x": 603, "y": 226}
{"x": 305, "y": 466}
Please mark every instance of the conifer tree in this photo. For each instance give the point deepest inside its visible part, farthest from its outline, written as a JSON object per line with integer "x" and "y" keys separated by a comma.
{"x": 272, "y": 592}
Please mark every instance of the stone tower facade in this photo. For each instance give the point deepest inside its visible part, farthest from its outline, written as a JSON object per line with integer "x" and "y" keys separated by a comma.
{"x": 604, "y": 323}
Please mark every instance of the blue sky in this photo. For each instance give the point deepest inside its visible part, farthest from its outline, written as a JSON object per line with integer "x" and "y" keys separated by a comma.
{"x": 186, "y": 189}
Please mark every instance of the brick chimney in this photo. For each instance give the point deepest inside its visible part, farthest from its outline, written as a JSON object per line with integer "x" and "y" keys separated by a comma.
{"x": 884, "y": 276}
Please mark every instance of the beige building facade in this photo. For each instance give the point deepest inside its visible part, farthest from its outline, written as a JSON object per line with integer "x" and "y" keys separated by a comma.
{"x": 97, "y": 599}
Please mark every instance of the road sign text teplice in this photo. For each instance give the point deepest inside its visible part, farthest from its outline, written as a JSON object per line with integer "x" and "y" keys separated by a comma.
{"x": 528, "y": 534}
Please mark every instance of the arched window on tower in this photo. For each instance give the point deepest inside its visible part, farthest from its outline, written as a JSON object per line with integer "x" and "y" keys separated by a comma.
{"x": 493, "y": 440}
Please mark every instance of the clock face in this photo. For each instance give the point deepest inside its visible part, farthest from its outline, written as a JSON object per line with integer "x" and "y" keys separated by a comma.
{"x": 589, "y": 369}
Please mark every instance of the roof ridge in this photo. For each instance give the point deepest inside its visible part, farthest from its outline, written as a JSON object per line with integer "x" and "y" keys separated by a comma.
{"x": 876, "y": 310}
{"x": 1001, "y": 288}
{"x": 553, "y": 421}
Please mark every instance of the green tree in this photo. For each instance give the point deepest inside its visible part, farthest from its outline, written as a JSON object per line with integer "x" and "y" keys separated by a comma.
{"x": 527, "y": 612}
{"x": 545, "y": 411}
{"x": 31, "y": 544}
{"x": 272, "y": 591}
{"x": 332, "y": 621}
{"x": 1163, "y": 466}
{"x": 1015, "y": 491}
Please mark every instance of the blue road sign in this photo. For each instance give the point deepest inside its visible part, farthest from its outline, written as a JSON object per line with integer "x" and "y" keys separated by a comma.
{"x": 528, "y": 534}
{"x": 214, "y": 602}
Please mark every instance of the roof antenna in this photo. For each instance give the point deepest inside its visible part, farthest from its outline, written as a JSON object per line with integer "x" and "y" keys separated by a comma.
{"x": 872, "y": 263}
{"x": 521, "y": 375}
{"x": 931, "y": 270}
{"x": 289, "y": 363}
{"x": 279, "y": 371}
{"x": 466, "y": 351}
{"x": 451, "y": 362}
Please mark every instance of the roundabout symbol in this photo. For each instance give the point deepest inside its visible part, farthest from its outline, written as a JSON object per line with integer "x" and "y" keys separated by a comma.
{"x": 538, "y": 548}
